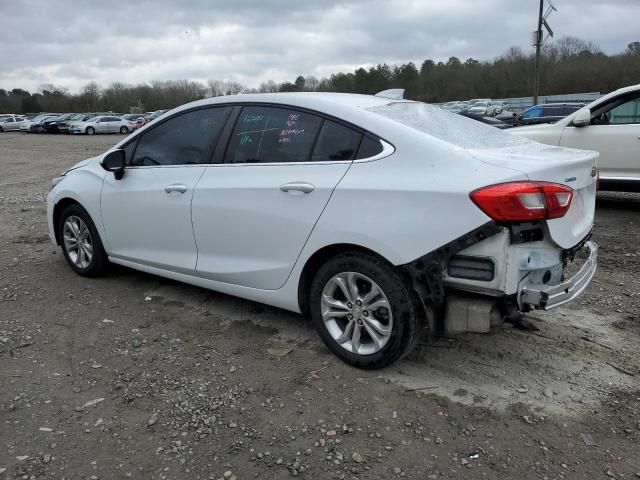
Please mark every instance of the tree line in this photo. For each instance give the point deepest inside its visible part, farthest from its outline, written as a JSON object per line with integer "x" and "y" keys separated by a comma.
{"x": 568, "y": 65}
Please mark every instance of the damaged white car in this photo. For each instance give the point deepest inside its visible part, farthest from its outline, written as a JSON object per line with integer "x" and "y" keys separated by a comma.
{"x": 378, "y": 217}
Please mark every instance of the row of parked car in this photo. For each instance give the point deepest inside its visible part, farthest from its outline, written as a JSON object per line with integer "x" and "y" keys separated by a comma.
{"x": 79, "y": 123}
{"x": 498, "y": 114}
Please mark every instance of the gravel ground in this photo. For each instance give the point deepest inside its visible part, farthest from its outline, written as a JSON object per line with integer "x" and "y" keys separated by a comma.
{"x": 134, "y": 376}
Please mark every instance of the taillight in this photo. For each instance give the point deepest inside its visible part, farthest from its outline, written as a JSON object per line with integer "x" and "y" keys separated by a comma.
{"x": 523, "y": 201}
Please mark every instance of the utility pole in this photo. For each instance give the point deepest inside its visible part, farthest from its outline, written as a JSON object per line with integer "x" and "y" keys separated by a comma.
{"x": 538, "y": 44}
{"x": 538, "y": 41}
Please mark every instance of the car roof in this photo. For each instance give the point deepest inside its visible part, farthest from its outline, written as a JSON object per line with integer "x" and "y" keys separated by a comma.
{"x": 557, "y": 104}
{"x": 303, "y": 98}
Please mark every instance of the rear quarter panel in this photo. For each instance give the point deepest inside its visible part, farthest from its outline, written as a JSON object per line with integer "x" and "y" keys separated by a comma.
{"x": 408, "y": 204}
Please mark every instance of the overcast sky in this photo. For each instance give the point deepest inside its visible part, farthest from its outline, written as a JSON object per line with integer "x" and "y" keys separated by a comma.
{"x": 251, "y": 41}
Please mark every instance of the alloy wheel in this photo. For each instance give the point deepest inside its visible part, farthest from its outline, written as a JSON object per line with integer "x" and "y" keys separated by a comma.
{"x": 356, "y": 313}
{"x": 77, "y": 241}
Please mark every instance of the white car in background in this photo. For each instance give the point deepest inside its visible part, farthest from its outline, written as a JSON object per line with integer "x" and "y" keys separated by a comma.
{"x": 10, "y": 123}
{"x": 36, "y": 122}
{"x": 374, "y": 215}
{"x": 498, "y": 107}
{"x": 103, "y": 124}
{"x": 611, "y": 126}
{"x": 483, "y": 107}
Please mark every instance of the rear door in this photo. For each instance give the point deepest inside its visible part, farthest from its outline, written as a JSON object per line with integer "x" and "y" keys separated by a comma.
{"x": 111, "y": 124}
{"x": 615, "y": 133}
{"x": 253, "y": 213}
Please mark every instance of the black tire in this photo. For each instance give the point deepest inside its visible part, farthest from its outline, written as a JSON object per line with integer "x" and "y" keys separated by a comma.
{"x": 124, "y": 130}
{"x": 90, "y": 131}
{"x": 99, "y": 262}
{"x": 408, "y": 320}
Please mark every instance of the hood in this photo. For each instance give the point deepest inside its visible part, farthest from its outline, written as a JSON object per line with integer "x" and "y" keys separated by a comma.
{"x": 79, "y": 165}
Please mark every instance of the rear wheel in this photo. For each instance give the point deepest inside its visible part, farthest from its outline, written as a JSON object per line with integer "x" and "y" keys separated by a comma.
{"x": 364, "y": 311}
{"x": 90, "y": 130}
{"x": 81, "y": 243}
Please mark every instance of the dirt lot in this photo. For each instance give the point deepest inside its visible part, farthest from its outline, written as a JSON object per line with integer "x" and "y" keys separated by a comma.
{"x": 134, "y": 376}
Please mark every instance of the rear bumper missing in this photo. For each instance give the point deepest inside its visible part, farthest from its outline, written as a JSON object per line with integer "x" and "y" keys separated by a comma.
{"x": 546, "y": 297}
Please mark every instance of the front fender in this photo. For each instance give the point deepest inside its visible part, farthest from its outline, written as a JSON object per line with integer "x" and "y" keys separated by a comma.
{"x": 83, "y": 186}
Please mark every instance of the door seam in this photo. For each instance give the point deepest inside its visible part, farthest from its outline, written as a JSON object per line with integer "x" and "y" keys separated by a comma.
{"x": 193, "y": 229}
{"x": 314, "y": 227}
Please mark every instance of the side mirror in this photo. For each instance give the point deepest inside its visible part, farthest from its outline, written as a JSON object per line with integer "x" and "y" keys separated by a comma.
{"x": 582, "y": 118}
{"x": 114, "y": 162}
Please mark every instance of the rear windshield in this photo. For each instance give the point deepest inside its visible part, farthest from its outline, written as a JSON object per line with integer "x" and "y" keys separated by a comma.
{"x": 449, "y": 127}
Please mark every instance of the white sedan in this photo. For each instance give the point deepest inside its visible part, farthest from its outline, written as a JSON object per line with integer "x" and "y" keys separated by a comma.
{"x": 378, "y": 217}
{"x": 103, "y": 124}
{"x": 10, "y": 123}
{"x": 611, "y": 126}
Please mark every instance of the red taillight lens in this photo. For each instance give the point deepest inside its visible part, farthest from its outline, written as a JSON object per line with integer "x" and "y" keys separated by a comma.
{"x": 523, "y": 201}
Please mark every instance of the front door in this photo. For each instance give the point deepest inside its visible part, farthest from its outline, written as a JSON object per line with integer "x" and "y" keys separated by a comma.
{"x": 615, "y": 133}
{"x": 253, "y": 213}
{"x": 147, "y": 214}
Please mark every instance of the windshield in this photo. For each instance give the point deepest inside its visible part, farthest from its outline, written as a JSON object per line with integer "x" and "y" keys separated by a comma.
{"x": 449, "y": 127}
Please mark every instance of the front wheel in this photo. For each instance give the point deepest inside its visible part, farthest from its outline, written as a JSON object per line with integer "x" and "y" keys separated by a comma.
{"x": 364, "y": 311}
{"x": 124, "y": 130}
{"x": 90, "y": 130}
{"x": 81, "y": 243}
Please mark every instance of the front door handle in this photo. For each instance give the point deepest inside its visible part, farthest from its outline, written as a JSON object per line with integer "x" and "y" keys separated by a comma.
{"x": 298, "y": 187}
{"x": 176, "y": 187}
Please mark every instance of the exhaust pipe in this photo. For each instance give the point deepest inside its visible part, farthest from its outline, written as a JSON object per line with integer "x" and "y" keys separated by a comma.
{"x": 471, "y": 314}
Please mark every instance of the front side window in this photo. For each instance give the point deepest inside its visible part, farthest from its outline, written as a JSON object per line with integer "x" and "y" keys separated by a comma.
{"x": 272, "y": 135}
{"x": 182, "y": 140}
{"x": 626, "y": 113}
{"x": 533, "y": 112}
{"x": 622, "y": 110}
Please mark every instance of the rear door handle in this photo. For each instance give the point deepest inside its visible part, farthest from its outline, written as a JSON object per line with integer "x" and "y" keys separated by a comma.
{"x": 298, "y": 187}
{"x": 176, "y": 187}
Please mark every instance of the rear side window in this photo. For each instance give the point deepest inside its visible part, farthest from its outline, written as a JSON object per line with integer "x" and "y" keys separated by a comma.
{"x": 336, "y": 142}
{"x": 369, "y": 147}
{"x": 182, "y": 140}
{"x": 272, "y": 135}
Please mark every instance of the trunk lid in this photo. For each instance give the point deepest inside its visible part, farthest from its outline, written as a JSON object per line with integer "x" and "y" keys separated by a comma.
{"x": 574, "y": 168}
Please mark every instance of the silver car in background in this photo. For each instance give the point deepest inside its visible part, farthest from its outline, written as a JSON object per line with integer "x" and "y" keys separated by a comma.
{"x": 9, "y": 123}
{"x": 103, "y": 124}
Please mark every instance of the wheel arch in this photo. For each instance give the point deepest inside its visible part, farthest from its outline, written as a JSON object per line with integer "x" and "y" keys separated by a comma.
{"x": 315, "y": 261}
{"x": 58, "y": 208}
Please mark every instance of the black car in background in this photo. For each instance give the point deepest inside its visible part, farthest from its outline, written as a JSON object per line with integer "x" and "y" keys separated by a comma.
{"x": 493, "y": 121}
{"x": 52, "y": 125}
{"x": 38, "y": 127}
{"x": 544, "y": 113}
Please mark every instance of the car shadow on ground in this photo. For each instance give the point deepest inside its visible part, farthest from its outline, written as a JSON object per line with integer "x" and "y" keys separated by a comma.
{"x": 618, "y": 201}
